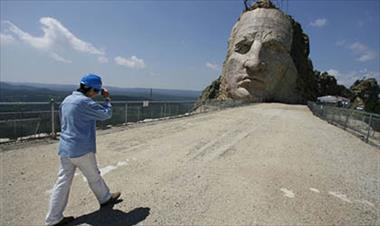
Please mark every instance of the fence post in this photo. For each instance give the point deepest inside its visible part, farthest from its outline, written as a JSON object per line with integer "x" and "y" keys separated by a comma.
{"x": 53, "y": 135}
{"x": 14, "y": 130}
{"x": 142, "y": 112}
{"x": 138, "y": 113}
{"x": 323, "y": 112}
{"x": 126, "y": 113}
{"x": 346, "y": 122}
{"x": 151, "y": 111}
{"x": 369, "y": 127}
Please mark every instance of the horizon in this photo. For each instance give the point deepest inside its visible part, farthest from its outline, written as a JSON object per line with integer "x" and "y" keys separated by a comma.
{"x": 118, "y": 87}
{"x": 155, "y": 44}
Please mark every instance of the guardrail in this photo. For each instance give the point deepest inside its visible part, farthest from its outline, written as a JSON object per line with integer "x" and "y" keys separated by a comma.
{"x": 364, "y": 124}
{"x": 24, "y": 120}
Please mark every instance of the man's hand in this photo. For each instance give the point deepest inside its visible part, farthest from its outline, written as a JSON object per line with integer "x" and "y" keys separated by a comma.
{"x": 105, "y": 93}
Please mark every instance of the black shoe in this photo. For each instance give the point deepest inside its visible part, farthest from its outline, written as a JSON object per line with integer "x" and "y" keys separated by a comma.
{"x": 64, "y": 221}
{"x": 113, "y": 199}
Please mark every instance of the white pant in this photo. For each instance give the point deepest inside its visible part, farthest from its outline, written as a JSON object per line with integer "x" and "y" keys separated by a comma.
{"x": 59, "y": 197}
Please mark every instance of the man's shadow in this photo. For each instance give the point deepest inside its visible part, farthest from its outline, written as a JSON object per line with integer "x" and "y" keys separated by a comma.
{"x": 108, "y": 216}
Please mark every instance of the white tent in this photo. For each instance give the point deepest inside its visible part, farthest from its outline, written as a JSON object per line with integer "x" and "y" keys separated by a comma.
{"x": 333, "y": 99}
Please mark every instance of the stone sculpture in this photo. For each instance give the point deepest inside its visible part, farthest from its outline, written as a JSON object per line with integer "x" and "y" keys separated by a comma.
{"x": 267, "y": 60}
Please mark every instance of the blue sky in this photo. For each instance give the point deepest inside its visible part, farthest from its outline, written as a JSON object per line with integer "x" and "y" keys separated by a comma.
{"x": 169, "y": 44}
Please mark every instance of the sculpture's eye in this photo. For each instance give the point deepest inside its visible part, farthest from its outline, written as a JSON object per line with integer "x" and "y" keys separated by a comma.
{"x": 275, "y": 45}
{"x": 243, "y": 47}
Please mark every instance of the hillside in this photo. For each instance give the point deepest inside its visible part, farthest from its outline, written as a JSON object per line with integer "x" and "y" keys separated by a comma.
{"x": 44, "y": 92}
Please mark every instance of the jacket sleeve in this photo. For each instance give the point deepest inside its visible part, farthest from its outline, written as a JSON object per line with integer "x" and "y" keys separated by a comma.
{"x": 97, "y": 111}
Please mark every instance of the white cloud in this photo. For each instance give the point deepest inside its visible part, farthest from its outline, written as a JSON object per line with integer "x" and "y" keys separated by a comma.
{"x": 44, "y": 42}
{"x": 367, "y": 56}
{"x": 102, "y": 59}
{"x": 59, "y": 58}
{"x": 348, "y": 78}
{"x": 362, "y": 52}
{"x": 132, "y": 62}
{"x": 358, "y": 47}
{"x": 55, "y": 36}
{"x": 212, "y": 66}
{"x": 321, "y": 22}
{"x": 6, "y": 39}
{"x": 333, "y": 72}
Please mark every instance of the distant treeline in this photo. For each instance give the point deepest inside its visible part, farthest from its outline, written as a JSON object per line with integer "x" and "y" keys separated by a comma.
{"x": 11, "y": 92}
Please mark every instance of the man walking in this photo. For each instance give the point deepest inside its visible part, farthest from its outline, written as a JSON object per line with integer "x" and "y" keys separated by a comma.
{"x": 77, "y": 147}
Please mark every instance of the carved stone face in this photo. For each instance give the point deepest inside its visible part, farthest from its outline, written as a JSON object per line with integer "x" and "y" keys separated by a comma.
{"x": 258, "y": 66}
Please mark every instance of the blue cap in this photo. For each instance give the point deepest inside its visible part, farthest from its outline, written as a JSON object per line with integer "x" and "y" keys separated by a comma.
{"x": 92, "y": 81}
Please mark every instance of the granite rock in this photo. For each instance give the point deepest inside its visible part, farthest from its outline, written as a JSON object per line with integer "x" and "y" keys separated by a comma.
{"x": 267, "y": 60}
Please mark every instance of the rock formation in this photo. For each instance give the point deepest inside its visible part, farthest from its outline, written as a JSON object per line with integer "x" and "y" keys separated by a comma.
{"x": 267, "y": 60}
{"x": 366, "y": 94}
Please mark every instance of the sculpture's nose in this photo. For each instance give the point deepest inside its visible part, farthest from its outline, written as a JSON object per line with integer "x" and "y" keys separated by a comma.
{"x": 254, "y": 64}
{"x": 254, "y": 61}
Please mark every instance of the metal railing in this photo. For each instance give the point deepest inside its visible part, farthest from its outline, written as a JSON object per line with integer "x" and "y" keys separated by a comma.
{"x": 24, "y": 120}
{"x": 364, "y": 124}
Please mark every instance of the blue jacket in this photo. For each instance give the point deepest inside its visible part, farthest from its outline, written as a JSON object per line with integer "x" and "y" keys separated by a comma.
{"x": 78, "y": 115}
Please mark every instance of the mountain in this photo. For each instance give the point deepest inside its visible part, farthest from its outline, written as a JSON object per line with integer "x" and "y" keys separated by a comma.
{"x": 10, "y": 91}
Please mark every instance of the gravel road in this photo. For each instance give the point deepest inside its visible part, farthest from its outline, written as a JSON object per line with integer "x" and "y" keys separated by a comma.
{"x": 266, "y": 164}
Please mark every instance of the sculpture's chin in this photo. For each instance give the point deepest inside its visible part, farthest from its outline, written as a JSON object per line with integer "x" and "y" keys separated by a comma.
{"x": 242, "y": 93}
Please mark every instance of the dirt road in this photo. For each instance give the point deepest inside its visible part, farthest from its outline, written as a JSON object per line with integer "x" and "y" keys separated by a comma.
{"x": 267, "y": 164}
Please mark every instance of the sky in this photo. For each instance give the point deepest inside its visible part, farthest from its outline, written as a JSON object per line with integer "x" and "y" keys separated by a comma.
{"x": 169, "y": 44}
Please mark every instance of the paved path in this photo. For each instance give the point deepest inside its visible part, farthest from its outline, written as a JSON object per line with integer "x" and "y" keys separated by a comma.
{"x": 269, "y": 164}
